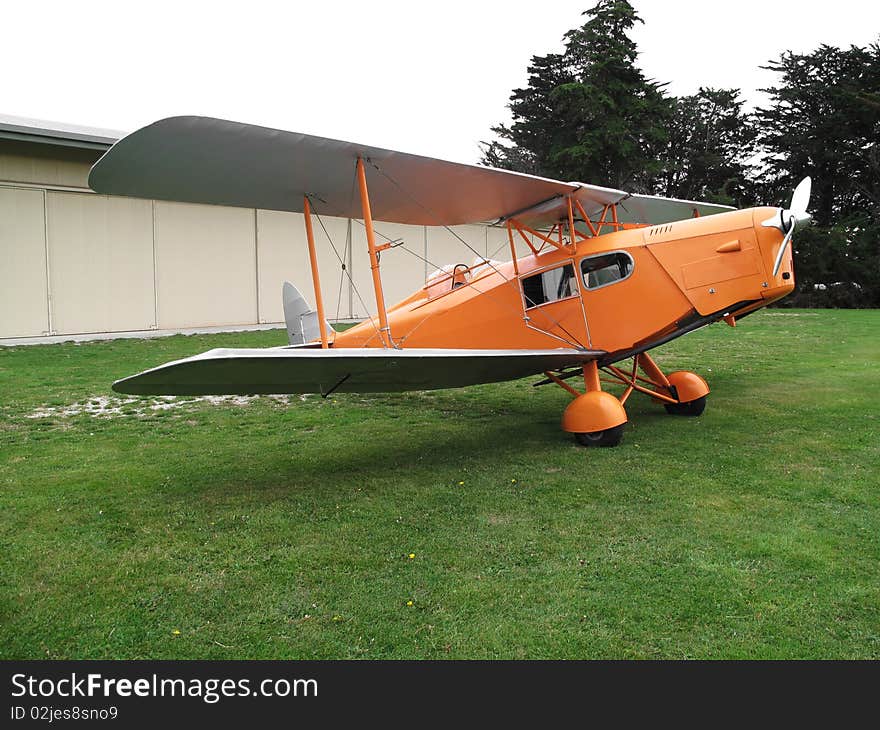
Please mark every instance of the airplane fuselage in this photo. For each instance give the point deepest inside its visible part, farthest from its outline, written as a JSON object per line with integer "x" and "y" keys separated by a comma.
{"x": 620, "y": 292}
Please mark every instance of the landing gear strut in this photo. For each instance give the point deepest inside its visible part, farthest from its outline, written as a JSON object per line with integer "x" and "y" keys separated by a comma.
{"x": 596, "y": 417}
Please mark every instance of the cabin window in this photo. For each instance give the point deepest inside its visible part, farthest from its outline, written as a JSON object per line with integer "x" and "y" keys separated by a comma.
{"x": 549, "y": 286}
{"x": 608, "y": 268}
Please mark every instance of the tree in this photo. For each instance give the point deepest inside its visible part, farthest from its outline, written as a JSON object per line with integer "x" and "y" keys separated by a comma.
{"x": 711, "y": 141}
{"x": 824, "y": 121}
{"x": 536, "y": 121}
{"x": 589, "y": 113}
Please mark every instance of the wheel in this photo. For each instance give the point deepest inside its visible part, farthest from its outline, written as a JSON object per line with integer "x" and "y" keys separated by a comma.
{"x": 691, "y": 408}
{"x": 608, "y": 437}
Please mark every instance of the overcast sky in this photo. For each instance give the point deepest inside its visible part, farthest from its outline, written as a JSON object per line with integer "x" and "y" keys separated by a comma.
{"x": 421, "y": 77}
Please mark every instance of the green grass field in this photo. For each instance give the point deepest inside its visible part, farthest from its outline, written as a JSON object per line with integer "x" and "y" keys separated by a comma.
{"x": 447, "y": 524}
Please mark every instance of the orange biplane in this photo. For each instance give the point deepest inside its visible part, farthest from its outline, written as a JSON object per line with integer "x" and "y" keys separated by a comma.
{"x": 610, "y": 275}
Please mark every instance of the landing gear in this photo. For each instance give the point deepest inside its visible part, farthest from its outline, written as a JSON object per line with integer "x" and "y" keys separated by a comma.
{"x": 690, "y": 390}
{"x": 692, "y": 408}
{"x": 608, "y": 437}
{"x": 596, "y": 417}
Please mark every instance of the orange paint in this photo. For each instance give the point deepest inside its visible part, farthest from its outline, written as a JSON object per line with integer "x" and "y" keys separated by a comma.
{"x": 674, "y": 278}
{"x": 313, "y": 262}
{"x": 631, "y": 290}
{"x": 593, "y": 411}
{"x": 384, "y": 328}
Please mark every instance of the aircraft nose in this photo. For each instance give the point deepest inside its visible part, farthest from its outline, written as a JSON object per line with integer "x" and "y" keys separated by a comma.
{"x": 773, "y": 247}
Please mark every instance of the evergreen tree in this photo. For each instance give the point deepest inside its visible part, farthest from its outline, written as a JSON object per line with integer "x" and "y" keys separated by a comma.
{"x": 824, "y": 121}
{"x": 589, "y": 113}
{"x": 711, "y": 142}
{"x": 536, "y": 121}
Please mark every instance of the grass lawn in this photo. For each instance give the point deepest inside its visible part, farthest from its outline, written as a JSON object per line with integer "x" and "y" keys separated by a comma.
{"x": 447, "y": 524}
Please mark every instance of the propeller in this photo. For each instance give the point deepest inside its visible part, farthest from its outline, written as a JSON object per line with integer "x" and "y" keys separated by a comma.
{"x": 792, "y": 219}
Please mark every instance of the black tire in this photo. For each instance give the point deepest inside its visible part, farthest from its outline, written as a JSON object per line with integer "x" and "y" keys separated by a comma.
{"x": 608, "y": 437}
{"x": 691, "y": 408}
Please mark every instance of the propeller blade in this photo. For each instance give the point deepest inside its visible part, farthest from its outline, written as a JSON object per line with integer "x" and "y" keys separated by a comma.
{"x": 782, "y": 247}
{"x": 795, "y": 218}
{"x": 796, "y": 213}
{"x": 800, "y": 198}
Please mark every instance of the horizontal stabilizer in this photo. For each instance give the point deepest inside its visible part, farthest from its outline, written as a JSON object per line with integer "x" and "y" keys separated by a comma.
{"x": 347, "y": 370}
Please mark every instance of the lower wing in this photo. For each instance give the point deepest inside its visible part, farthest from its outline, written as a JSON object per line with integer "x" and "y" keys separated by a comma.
{"x": 348, "y": 370}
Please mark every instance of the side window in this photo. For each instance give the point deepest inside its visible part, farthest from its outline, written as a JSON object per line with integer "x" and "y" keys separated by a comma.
{"x": 599, "y": 271}
{"x": 548, "y": 286}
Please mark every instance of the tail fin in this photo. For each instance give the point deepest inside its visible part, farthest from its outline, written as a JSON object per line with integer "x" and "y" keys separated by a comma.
{"x": 301, "y": 320}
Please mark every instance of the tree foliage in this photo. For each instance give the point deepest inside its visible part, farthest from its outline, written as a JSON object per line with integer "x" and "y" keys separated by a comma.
{"x": 711, "y": 142}
{"x": 590, "y": 114}
{"x": 824, "y": 121}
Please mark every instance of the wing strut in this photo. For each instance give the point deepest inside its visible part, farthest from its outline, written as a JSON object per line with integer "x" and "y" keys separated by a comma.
{"x": 316, "y": 280}
{"x": 384, "y": 329}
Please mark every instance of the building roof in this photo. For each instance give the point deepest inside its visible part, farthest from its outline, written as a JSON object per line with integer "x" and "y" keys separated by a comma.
{"x": 56, "y": 133}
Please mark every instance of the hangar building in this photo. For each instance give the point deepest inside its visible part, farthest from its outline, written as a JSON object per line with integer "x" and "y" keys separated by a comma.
{"x": 77, "y": 264}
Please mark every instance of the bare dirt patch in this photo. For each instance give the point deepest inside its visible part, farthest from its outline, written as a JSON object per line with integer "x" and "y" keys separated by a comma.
{"x": 103, "y": 406}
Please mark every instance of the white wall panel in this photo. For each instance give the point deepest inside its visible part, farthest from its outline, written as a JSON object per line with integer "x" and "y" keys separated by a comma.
{"x": 283, "y": 255}
{"x": 24, "y": 308}
{"x": 100, "y": 263}
{"x": 119, "y": 264}
{"x": 445, "y": 247}
{"x": 205, "y": 265}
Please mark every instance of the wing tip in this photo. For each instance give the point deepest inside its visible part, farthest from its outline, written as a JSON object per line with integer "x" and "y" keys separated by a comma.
{"x": 120, "y": 386}
{"x": 97, "y": 178}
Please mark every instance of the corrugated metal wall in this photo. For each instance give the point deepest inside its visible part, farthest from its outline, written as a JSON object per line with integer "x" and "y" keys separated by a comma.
{"x": 74, "y": 262}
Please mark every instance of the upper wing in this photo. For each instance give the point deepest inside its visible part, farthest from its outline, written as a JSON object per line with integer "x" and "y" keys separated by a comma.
{"x": 204, "y": 160}
{"x": 631, "y": 207}
{"x": 214, "y": 161}
{"x": 653, "y": 210}
{"x": 351, "y": 370}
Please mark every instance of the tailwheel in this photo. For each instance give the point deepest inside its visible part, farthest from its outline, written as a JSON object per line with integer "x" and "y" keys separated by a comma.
{"x": 608, "y": 437}
{"x": 691, "y": 408}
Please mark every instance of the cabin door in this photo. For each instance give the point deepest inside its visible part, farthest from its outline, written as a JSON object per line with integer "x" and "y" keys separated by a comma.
{"x": 553, "y": 304}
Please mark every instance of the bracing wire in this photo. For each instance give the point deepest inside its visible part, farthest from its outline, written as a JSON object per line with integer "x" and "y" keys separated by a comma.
{"x": 434, "y": 216}
{"x": 504, "y": 244}
{"x": 573, "y": 342}
{"x": 339, "y": 293}
{"x": 345, "y": 270}
{"x": 576, "y": 343}
{"x": 471, "y": 248}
